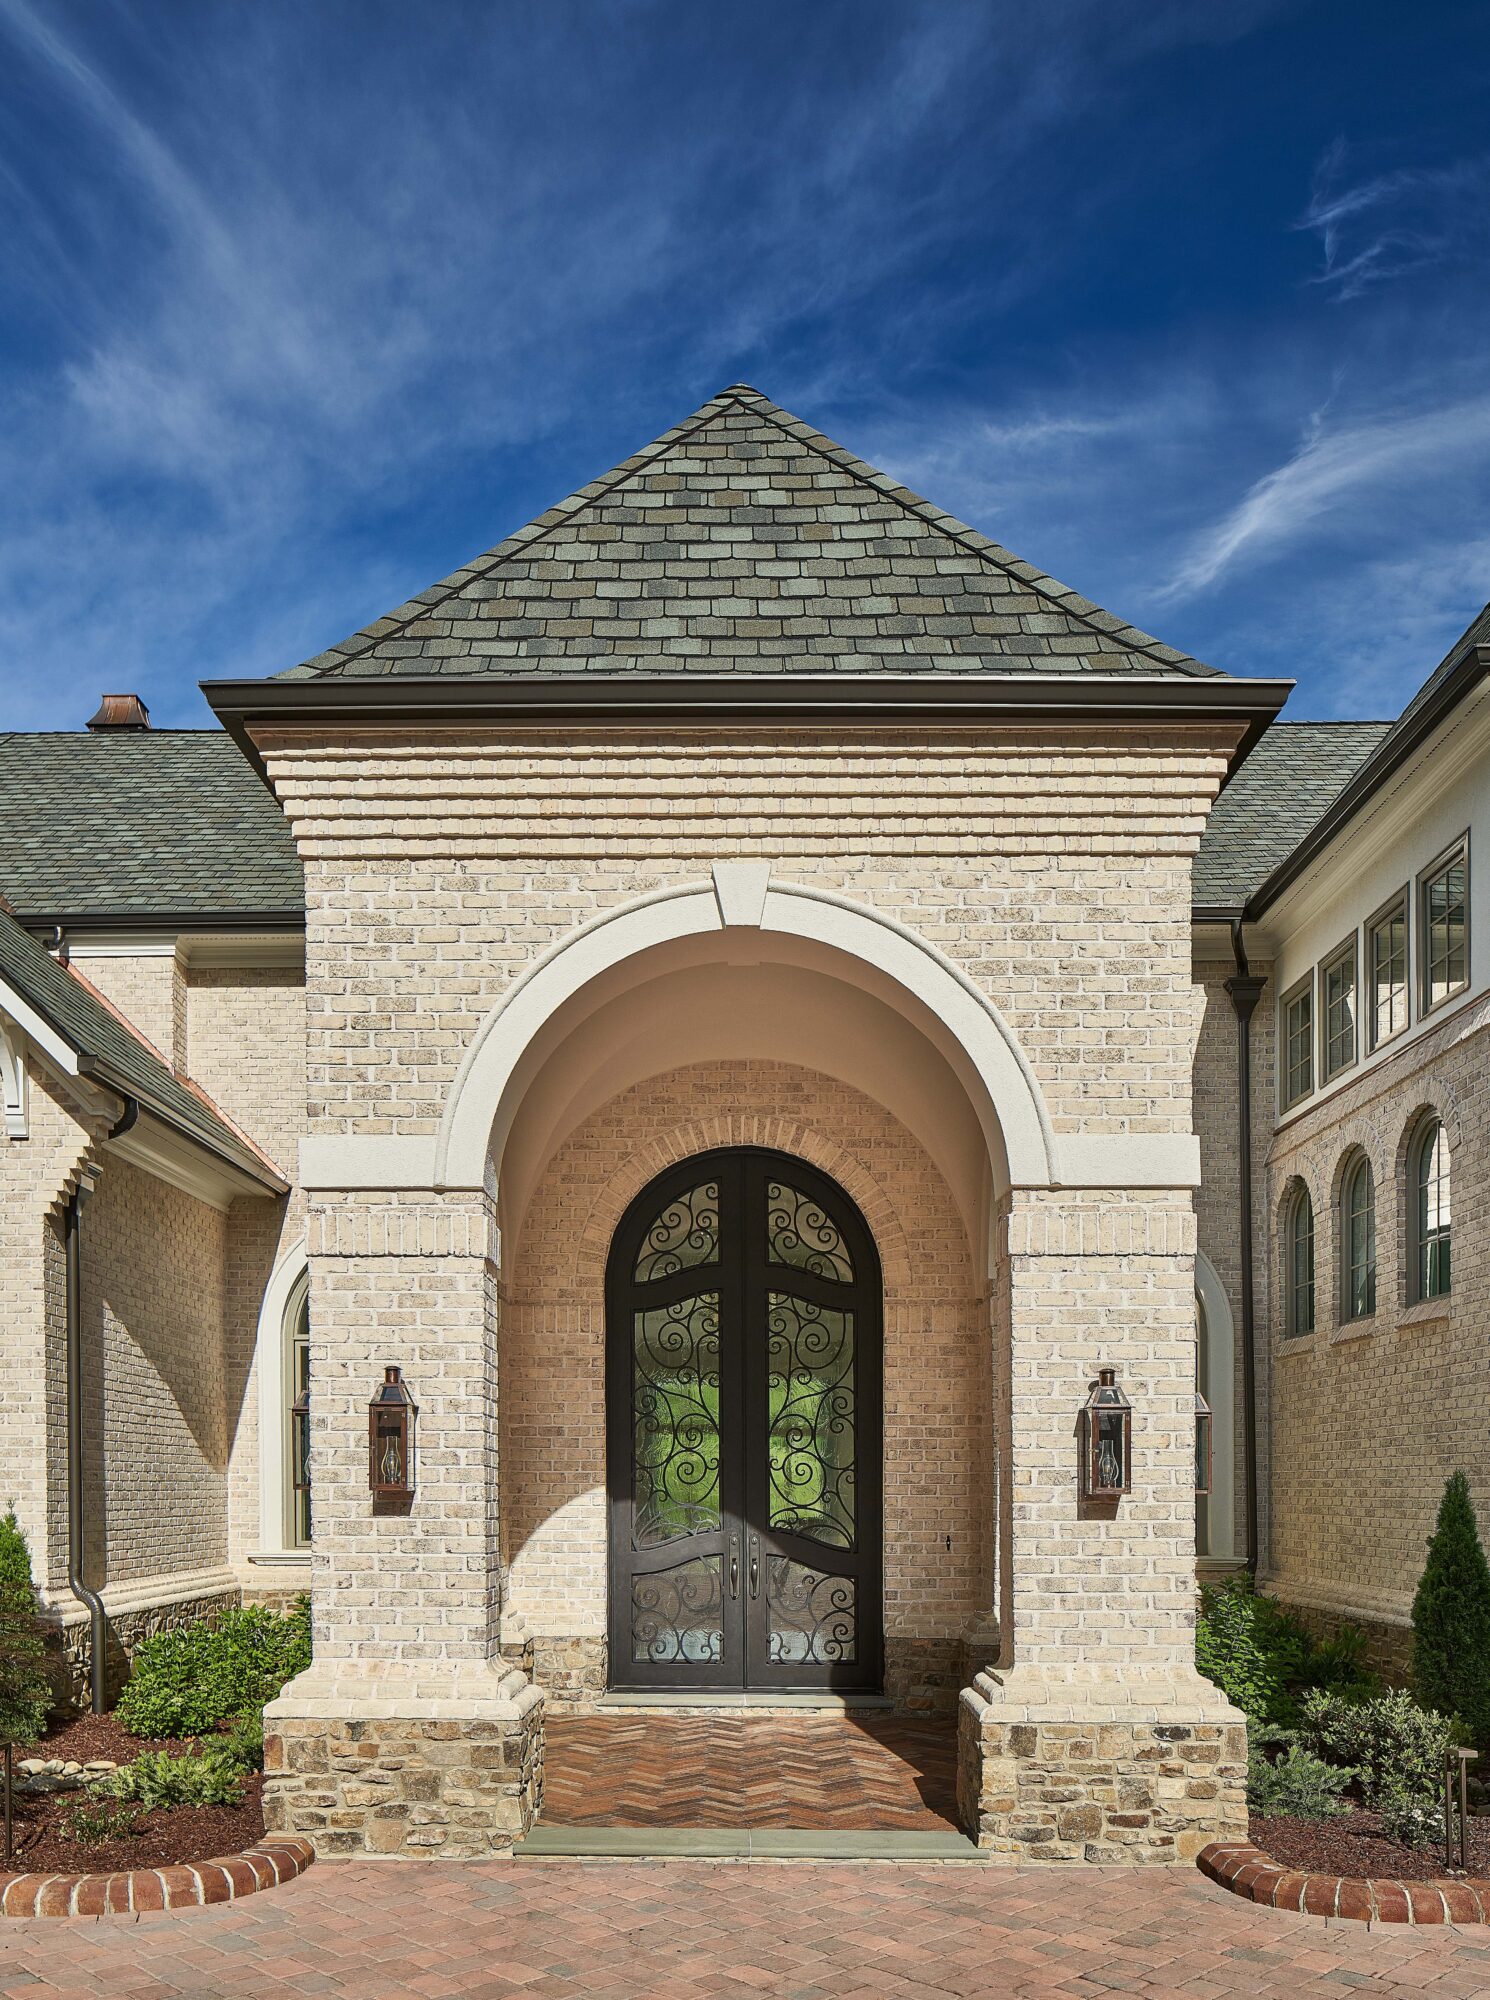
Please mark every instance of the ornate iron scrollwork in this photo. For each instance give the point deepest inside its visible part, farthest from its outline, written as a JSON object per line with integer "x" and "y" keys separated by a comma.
{"x": 814, "y": 1618}
{"x": 800, "y": 1234}
{"x": 678, "y": 1614}
{"x": 685, "y": 1234}
{"x": 675, "y": 1404}
{"x": 810, "y": 1391}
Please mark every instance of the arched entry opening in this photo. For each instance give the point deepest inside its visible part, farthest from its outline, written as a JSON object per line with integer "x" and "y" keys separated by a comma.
{"x": 743, "y": 1309}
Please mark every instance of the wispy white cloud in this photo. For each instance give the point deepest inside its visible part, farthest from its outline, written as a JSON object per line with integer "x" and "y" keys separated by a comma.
{"x": 1334, "y": 470}
{"x": 1387, "y": 225}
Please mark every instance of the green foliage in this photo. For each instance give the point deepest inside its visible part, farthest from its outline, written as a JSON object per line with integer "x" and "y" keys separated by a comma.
{"x": 1451, "y": 1618}
{"x": 200, "y": 1675}
{"x": 159, "y": 1779}
{"x": 1262, "y": 1659}
{"x": 242, "y": 1742}
{"x": 25, "y": 1690}
{"x": 1297, "y": 1786}
{"x": 1396, "y": 1747}
{"x": 97, "y": 1821}
{"x": 1412, "y": 1821}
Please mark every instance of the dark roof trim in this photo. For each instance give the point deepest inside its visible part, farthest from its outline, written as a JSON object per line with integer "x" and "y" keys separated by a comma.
{"x": 747, "y": 698}
{"x": 207, "y": 921}
{"x": 1415, "y": 727}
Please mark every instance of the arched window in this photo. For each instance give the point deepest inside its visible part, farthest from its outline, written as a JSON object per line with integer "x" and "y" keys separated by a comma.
{"x": 1298, "y": 1264}
{"x": 1432, "y": 1218}
{"x": 297, "y": 1376}
{"x": 1357, "y": 1241}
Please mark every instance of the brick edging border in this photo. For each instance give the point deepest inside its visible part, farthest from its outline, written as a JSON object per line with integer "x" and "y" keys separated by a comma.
{"x": 275, "y": 1859}
{"x": 1246, "y": 1871}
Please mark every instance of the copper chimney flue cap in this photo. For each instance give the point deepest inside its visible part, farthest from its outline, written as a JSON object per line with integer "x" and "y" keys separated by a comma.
{"x": 120, "y": 711}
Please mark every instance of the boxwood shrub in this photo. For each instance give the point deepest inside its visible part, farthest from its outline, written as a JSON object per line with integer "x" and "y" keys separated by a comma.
{"x": 201, "y": 1675}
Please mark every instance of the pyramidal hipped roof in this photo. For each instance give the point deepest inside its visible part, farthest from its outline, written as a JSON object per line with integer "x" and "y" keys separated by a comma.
{"x": 745, "y": 542}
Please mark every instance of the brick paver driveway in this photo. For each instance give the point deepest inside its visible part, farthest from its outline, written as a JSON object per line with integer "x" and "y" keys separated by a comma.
{"x": 693, "y": 1930}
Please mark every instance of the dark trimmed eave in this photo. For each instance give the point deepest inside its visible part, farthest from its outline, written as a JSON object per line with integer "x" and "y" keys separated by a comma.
{"x": 208, "y": 922}
{"x": 651, "y": 699}
{"x": 1416, "y": 726}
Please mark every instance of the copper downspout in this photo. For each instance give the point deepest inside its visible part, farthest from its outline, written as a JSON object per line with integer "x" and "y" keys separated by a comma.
{"x": 1245, "y": 988}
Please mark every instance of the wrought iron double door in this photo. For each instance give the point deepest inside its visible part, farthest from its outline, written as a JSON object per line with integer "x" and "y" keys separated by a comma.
{"x": 743, "y": 1390}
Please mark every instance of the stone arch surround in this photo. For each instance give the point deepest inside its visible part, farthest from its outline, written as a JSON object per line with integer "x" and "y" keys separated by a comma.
{"x": 938, "y": 1365}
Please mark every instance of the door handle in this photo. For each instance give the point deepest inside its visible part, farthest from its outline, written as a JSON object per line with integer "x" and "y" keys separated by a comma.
{"x": 755, "y": 1566}
{"x": 734, "y": 1565}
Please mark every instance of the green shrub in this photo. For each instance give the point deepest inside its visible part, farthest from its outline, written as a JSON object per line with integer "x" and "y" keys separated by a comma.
{"x": 159, "y": 1779}
{"x": 1298, "y": 1786}
{"x": 25, "y": 1689}
{"x": 1412, "y": 1821}
{"x": 200, "y": 1675}
{"x": 1263, "y": 1659}
{"x": 1451, "y": 1618}
{"x": 97, "y": 1821}
{"x": 242, "y": 1742}
{"x": 1250, "y": 1648}
{"x": 1396, "y": 1747}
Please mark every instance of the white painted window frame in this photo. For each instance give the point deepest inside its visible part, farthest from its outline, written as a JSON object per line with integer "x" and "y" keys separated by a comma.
{"x": 282, "y": 1297}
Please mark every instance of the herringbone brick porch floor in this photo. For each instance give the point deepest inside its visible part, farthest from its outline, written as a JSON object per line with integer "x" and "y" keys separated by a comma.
{"x": 836, "y": 1772}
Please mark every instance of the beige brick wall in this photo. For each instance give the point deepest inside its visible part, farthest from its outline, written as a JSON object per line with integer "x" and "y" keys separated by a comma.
{"x": 154, "y": 1387}
{"x": 148, "y": 988}
{"x": 1051, "y": 866}
{"x": 247, "y": 1040}
{"x": 1218, "y": 1199}
{"x": 36, "y": 1175}
{"x": 1369, "y": 1417}
{"x": 937, "y": 1387}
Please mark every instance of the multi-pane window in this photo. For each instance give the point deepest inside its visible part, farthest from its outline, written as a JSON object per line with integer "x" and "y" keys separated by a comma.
{"x": 1444, "y": 929}
{"x": 1386, "y": 971}
{"x": 1358, "y": 1242}
{"x": 1432, "y": 1213}
{"x": 299, "y": 1384}
{"x": 1338, "y": 981}
{"x": 1298, "y": 1264}
{"x": 1298, "y": 1042}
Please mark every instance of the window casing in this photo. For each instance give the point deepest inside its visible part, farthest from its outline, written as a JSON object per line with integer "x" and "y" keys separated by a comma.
{"x": 1337, "y": 980}
{"x": 1443, "y": 928}
{"x": 1386, "y": 972}
{"x": 1358, "y": 1242}
{"x": 1298, "y": 1042}
{"x": 1432, "y": 1214}
{"x": 297, "y": 1365}
{"x": 1298, "y": 1265}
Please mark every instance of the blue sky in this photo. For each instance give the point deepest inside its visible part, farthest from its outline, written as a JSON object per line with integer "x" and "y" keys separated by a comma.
{"x": 303, "y": 304}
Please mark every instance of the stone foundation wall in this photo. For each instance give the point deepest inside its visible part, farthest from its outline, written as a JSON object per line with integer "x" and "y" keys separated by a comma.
{"x": 125, "y": 1631}
{"x": 1099, "y": 1785}
{"x": 456, "y": 1772}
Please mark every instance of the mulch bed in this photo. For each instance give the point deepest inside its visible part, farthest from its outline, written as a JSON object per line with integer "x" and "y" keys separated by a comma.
{"x": 162, "y": 1838}
{"x": 1355, "y": 1845}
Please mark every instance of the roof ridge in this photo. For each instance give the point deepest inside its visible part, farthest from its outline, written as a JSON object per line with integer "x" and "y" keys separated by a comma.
{"x": 741, "y": 395}
{"x": 1068, "y": 601}
{"x": 537, "y": 530}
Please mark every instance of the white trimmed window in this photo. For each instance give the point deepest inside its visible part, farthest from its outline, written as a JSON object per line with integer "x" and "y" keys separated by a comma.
{"x": 297, "y": 1368}
{"x": 1386, "y": 971}
{"x": 1337, "y": 980}
{"x": 1298, "y": 1264}
{"x": 1432, "y": 1213}
{"x": 1443, "y": 927}
{"x": 1298, "y": 1041}
{"x": 1357, "y": 1241}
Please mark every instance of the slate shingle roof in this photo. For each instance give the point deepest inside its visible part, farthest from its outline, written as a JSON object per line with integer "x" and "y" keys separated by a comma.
{"x": 154, "y": 821}
{"x": 743, "y": 541}
{"x": 1294, "y": 773}
{"x": 94, "y": 1030}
